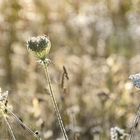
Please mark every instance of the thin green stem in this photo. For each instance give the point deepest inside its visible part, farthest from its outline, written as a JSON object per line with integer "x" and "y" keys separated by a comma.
{"x": 55, "y": 103}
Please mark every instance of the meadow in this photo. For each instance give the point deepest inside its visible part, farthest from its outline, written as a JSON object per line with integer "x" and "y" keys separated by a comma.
{"x": 95, "y": 47}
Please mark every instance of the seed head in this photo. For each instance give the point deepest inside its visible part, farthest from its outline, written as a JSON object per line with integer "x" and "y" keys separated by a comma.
{"x": 40, "y": 46}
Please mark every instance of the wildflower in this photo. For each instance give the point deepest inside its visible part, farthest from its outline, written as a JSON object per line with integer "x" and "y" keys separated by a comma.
{"x": 40, "y": 46}
{"x": 3, "y": 96}
{"x": 117, "y": 133}
{"x": 135, "y": 79}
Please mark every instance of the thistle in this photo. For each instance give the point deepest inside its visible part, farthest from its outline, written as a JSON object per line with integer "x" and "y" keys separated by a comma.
{"x": 40, "y": 46}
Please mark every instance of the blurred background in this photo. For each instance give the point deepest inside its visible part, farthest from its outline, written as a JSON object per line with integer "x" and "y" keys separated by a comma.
{"x": 96, "y": 41}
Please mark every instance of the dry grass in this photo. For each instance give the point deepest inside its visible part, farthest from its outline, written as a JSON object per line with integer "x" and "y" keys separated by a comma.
{"x": 96, "y": 41}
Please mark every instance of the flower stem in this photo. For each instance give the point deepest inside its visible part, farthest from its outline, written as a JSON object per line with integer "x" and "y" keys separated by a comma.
{"x": 20, "y": 122}
{"x": 54, "y": 102}
{"x": 9, "y": 126}
{"x": 135, "y": 125}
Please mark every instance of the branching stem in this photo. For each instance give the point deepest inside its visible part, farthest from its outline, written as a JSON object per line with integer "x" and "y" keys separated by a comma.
{"x": 9, "y": 126}
{"x": 20, "y": 122}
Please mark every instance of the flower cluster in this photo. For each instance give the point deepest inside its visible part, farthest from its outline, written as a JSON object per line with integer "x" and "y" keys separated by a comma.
{"x": 40, "y": 46}
{"x": 117, "y": 133}
{"x": 135, "y": 79}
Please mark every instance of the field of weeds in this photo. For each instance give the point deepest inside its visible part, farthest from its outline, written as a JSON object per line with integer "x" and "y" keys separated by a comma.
{"x": 95, "y": 47}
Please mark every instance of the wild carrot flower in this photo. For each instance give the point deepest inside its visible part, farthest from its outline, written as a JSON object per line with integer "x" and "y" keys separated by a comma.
{"x": 40, "y": 46}
{"x": 117, "y": 133}
{"x": 135, "y": 79}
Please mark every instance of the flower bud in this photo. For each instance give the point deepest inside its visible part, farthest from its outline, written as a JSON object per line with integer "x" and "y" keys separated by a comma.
{"x": 40, "y": 46}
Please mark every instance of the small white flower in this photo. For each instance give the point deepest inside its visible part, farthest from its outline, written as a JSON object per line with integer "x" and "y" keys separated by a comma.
{"x": 117, "y": 133}
{"x": 135, "y": 79}
{"x": 4, "y": 96}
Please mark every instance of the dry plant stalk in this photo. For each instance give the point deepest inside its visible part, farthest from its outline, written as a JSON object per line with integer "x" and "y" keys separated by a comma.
{"x": 136, "y": 82}
{"x": 135, "y": 124}
{"x": 40, "y": 46}
{"x": 6, "y": 112}
{"x": 64, "y": 75}
{"x": 9, "y": 126}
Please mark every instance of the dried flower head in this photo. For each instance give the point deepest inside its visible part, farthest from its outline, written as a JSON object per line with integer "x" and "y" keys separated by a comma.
{"x": 117, "y": 133}
{"x": 135, "y": 79}
{"x": 40, "y": 46}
